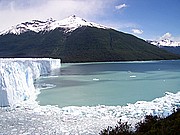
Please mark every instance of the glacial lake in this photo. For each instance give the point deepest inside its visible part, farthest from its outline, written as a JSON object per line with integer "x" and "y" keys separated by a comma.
{"x": 109, "y": 83}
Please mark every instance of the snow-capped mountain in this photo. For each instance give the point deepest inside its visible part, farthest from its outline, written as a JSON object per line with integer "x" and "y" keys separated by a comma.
{"x": 164, "y": 42}
{"x": 69, "y": 24}
{"x": 75, "y": 40}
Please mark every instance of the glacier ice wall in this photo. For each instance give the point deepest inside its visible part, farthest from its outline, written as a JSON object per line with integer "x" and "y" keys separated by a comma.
{"x": 17, "y": 78}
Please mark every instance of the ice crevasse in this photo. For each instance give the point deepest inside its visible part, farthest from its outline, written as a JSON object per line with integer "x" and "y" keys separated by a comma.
{"x": 17, "y": 77}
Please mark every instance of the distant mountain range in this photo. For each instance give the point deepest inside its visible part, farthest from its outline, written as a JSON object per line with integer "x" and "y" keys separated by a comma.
{"x": 76, "y": 40}
{"x": 165, "y": 42}
{"x": 168, "y": 45}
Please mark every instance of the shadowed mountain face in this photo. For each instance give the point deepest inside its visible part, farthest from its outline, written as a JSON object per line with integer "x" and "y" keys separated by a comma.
{"x": 175, "y": 50}
{"x": 84, "y": 44}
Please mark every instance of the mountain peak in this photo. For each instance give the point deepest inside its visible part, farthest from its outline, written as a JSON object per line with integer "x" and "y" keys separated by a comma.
{"x": 68, "y": 24}
{"x": 74, "y": 17}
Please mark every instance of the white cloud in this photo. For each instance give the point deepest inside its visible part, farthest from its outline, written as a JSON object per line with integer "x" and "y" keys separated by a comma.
{"x": 169, "y": 36}
{"x": 118, "y": 7}
{"x": 16, "y": 11}
{"x": 137, "y": 31}
{"x": 166, "y": 36}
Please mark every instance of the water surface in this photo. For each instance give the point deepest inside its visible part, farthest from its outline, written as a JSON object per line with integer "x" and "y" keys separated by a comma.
{"x": 114, "y": 83}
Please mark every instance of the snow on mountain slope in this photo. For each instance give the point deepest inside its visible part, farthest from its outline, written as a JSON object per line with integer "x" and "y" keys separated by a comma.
{"x": 17, "y": 78}
{"x": 165, "y": 42}
{"x": 69, "y": 24}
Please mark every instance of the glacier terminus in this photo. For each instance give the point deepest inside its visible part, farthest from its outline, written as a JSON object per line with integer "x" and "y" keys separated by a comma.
{"x": 17, "y": 77}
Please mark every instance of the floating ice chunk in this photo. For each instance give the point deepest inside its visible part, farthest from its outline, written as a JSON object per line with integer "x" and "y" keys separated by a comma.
{"x": 44, "y": 86}
{"x": 96, "y": 79}
{"x": 132, "y": 76}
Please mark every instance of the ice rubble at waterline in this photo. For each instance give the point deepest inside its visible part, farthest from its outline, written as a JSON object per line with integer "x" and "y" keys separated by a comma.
{"x": 31, "y": 118}
{"x": 83, "y": 120}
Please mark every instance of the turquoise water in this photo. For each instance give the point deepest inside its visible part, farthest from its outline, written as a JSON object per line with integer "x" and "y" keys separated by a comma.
{"x": 115, "y": 83}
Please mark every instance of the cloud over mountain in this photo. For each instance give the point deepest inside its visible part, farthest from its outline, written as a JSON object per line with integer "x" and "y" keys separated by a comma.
{"x": 20, "y": 10}
{"x": 169, "y": 36}
{"x": 137, "y": 31}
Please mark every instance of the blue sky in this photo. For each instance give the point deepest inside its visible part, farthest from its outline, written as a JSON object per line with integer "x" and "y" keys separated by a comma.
{"x": 147, "y": 19}
{"x": 153, "y": 17}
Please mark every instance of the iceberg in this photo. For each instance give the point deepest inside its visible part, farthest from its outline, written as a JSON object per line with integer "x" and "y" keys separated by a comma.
{"x": 17, "y": 77}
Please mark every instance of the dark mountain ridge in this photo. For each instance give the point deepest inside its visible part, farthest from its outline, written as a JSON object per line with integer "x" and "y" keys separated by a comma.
{"x": 175, "y": 50}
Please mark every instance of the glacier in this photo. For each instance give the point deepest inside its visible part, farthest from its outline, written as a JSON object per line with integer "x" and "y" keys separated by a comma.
{"x": 17, "y": 77}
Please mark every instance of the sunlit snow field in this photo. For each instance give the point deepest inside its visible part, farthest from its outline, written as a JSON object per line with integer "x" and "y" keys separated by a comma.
{"x": 92, "y": 96}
